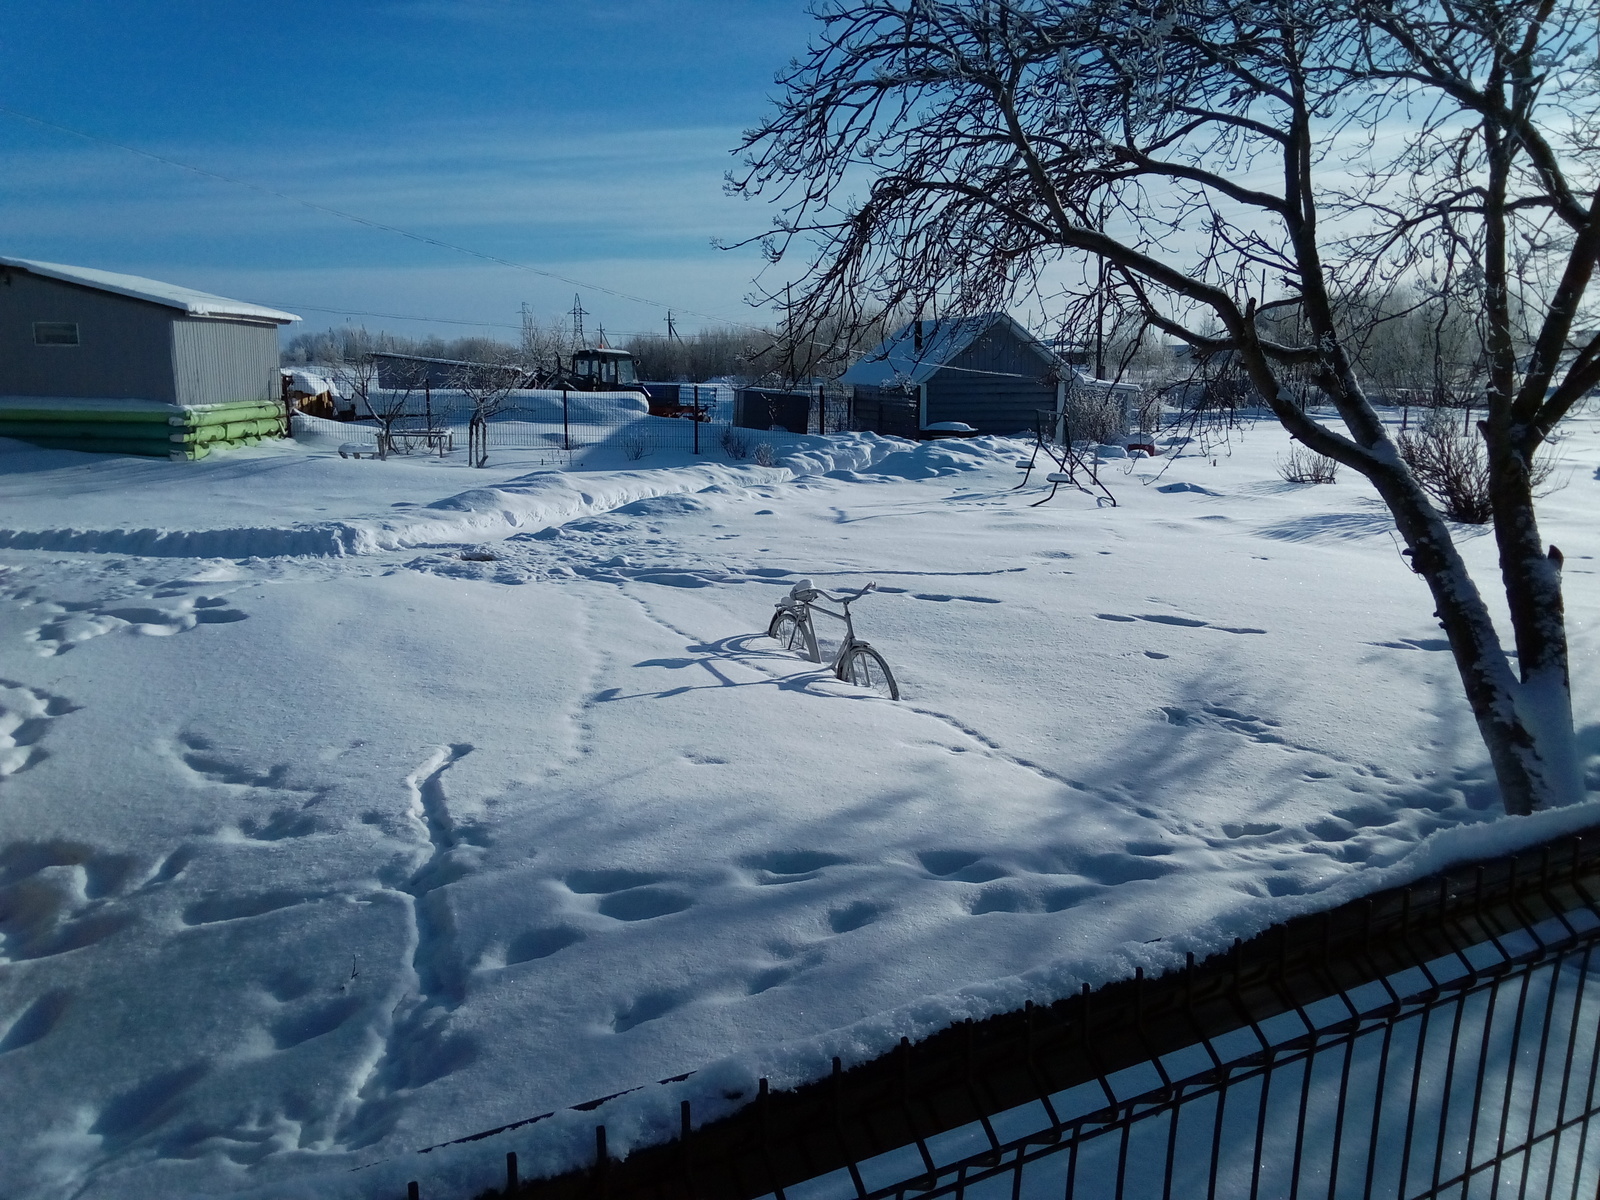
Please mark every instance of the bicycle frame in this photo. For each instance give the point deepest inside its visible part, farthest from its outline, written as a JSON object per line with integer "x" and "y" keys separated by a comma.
{"x": 856, "y": 662}
{"x": 802, "y": 610}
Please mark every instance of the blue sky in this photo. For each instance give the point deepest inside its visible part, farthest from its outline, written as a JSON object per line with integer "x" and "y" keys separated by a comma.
{"x": 585, "y": 138}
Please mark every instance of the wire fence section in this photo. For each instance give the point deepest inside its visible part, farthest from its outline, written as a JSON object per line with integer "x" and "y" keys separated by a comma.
{"x": 1472, "y": 1075}
{"x": 1435, "y": 1040}
{"x": 566, "y": 427}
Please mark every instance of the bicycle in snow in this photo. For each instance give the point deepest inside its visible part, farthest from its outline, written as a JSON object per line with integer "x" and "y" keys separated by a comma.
{"x": 856, "y": 662}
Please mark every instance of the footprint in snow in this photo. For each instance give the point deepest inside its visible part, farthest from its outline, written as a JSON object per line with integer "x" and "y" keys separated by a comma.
{"x": 645, "y": 903}
{"x": 961, "y": 865}
{"x": 650, "y": 1006}
{"x": 1434, "y": 644}
{"x": 72, "y": 624}
{"x": 631, "y": 895}
{"x": 588, "y": 883}
{"x": 297, "y": 1028}
{"x": 790, "y": 866}
{"x": 1113, "y": 869}
{"x": 35, "y": 1021}
{"x": 1181, "y": 622}
{"x": 1007, "y": 899}
{"x": 57, "y": 896}
{"x": 284, "y": 823}
{"x": 26, "y": 716}
{"x": 854, "y": 916}
{"x": 533, "y": 944}
{"x": 145, "y": 1106}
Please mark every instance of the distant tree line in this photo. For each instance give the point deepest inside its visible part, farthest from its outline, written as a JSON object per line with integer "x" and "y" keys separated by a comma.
{"x": 747, "y": 354}
{"x": 350, "y": 343}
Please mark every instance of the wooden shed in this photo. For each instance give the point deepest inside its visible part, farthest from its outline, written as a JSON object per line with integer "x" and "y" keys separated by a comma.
{"x": 96, "y": 360}
{"x": 984, "y": 371}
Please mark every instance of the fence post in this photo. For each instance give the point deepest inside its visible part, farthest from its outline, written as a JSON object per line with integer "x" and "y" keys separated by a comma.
{"x": 566, "y": 436}
{"x": 696, "y": 417}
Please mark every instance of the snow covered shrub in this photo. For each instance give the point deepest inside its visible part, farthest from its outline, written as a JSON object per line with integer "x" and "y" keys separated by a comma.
{"x": 1095, "y": 413}
{"x": 634, "y": 447}
{"x": 766, "y": 456}
{"x": 1306, "y": 466}
{"x": 735, "y": 443}
{"x": 1453, "y": 468}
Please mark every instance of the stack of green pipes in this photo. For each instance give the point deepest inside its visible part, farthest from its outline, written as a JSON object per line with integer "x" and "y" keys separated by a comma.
{"x": 139, "y": 426}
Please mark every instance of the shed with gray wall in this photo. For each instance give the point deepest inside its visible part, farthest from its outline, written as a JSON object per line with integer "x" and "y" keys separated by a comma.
{"x": 128, "y": 347}
{"x": 985, "y": 371}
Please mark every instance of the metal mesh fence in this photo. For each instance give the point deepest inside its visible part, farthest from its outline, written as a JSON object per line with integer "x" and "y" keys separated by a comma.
{"x": 571, "y": 427}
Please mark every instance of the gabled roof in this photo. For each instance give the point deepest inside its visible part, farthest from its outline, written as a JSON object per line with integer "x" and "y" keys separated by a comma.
{"x": 897, "y": 359}
{"x": 195, "y": 304}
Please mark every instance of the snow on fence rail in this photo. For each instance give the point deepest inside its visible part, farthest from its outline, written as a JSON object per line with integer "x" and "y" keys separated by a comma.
{"x": 1438, "y": 1039}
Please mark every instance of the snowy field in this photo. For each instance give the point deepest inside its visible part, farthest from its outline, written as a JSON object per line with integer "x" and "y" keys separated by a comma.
{"x": 351, "y": 807}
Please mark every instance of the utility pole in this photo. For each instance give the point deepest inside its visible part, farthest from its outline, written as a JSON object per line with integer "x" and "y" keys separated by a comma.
{"x": 672, "y": 330}
{"x": 1100, "y": 307}
{"x": 788, "y": 332}
{"x": 1100, "y": 324}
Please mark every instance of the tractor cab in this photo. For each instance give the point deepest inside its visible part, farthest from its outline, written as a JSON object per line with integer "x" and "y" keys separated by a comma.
{"x": 603, "y": 369}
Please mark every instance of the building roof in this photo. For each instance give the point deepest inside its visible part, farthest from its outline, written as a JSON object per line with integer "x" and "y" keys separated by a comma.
{"x": 423, "y": 358}
{"x": 195, "y": 304}
{"x": 898, "y": 361}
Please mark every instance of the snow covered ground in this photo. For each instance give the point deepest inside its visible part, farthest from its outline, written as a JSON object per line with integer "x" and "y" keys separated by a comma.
{"x": 350, "y": 807}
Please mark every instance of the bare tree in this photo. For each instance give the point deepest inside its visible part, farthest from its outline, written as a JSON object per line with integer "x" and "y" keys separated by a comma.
{"x": 546, "y": 350}
{"x": 707, "y": 354}
{"x": 487, "y": 387}
{"x": 1227, "y": 162}
{"x": 357, "y": 378}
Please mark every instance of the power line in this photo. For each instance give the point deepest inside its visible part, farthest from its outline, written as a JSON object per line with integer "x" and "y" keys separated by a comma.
{"x": 356, "y": 312}
{"x": 360, "y": 220}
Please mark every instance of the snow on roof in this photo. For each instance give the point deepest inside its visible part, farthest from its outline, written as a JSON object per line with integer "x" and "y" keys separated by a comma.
{"x": 898, "y": 360}
{"x": 1083, "y": 379}
{"x": 309, "y": 383}
{"x": 195, "y": 304}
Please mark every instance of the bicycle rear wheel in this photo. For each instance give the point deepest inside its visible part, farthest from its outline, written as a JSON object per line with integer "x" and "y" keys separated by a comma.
{"x": 789, "y": 633}
{"x": 864, "y": 667}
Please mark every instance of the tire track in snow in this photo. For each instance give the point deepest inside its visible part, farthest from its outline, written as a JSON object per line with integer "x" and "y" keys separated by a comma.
{"x": 418, "y": 1046}
{"x": 579, "y": 715}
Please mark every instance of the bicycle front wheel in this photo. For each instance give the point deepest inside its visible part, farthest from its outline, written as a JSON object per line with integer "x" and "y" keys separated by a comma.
{"x": 789, "y": 633}
{"x": 864, "y": 667}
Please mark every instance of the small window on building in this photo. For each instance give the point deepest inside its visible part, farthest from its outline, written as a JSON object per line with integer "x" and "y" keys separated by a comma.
{"x": 55, "y": 333}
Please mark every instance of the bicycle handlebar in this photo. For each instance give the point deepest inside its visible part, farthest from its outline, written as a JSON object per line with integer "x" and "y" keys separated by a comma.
{"x": 807, "y": 595}
{"x": 842, "y": 598}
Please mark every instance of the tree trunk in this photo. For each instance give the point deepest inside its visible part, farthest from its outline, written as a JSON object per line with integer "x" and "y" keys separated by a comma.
{"x": 1531, "y": 576}
{"x": 1525, "y": 752}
